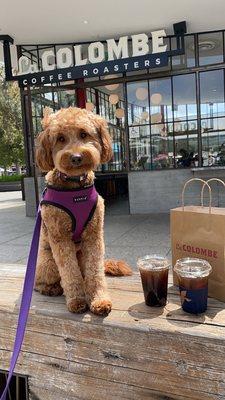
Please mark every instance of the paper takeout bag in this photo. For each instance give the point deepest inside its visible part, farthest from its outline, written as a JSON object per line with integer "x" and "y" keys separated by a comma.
{"x": 199, "y": 232}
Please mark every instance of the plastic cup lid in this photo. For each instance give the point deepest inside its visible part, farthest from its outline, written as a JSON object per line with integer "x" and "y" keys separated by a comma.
{"x": 192, "y": 268}
{"x": 153, "y": 263}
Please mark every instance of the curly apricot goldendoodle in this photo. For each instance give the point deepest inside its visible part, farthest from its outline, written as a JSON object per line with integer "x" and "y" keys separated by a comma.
{"x": 73, "y": 143}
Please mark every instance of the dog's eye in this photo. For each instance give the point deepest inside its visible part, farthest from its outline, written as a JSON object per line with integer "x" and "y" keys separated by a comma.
{"x": 61, "y": 139}
{"x": 83, "y": 135}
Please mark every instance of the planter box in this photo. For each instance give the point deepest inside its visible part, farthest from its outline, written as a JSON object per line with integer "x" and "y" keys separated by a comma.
{"x": 29, "y": 190}
{"x": 10, "y": 186}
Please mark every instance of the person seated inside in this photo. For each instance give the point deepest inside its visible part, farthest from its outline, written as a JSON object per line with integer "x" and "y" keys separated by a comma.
{"x": 186, "y": 160}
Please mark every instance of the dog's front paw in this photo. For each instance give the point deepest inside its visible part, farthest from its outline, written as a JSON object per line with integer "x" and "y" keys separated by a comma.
{"x": 101, "y": 306}
{"x": 77, "y": 305}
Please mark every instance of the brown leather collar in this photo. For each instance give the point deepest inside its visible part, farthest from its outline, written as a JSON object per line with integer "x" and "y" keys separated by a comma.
{"x": 75, "y": 178}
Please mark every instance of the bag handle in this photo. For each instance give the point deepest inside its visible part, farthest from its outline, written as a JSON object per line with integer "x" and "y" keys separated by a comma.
{"x": 209, "y": 180}
{"x": 205, "y": 184}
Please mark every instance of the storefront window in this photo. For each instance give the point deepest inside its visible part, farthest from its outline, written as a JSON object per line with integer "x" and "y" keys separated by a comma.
{"x": 108, "y": 101}
{"x": 173, "y": 139}
{"x": 212, "y": 93}
{"x": 184, "y": 97}
{"x": 91, "y": 100}
{"x": 186, "y": 60}
{"x": 162, "y": 147}
{"x": 213, "y": 141}
{"x": 139, "y": 141}
{"x": 67, "y": 98}
{"x": 186, "y": 144}
{"x": 118, "y": 145}
{"x": 111, "y": 104}
{"x": 138, "y": 103}
{"x": 160, "y": 100}
{"x": 210, "y": 47}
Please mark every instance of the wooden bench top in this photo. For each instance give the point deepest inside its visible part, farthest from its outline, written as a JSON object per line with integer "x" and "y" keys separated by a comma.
{"x": 136, "y": 352}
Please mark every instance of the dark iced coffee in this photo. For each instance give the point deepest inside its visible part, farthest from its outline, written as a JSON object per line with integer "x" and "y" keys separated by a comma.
{"x": 192, "y": 276}
{"x": 154, "y": 277}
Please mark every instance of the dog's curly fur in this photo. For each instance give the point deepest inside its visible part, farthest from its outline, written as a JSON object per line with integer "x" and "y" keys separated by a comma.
{"x": 77, "y": 270}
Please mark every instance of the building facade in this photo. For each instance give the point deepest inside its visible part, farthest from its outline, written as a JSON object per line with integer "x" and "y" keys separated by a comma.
{"x": 167, "y": 123}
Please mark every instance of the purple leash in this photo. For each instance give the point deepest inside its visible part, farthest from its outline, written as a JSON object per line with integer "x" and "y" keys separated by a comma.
{"x": 25, "y": 302}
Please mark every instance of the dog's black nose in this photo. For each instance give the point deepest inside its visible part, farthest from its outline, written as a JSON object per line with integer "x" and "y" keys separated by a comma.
{"x": 76, "y": 159}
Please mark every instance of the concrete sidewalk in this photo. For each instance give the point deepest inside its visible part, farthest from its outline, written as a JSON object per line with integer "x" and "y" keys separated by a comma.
{"x": 126, "y": 236}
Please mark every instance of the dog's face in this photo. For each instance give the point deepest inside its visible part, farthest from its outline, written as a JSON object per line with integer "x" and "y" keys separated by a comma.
{"x": 73, "y": 140}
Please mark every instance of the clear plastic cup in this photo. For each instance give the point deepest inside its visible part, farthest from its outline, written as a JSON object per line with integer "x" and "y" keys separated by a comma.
{"x": 193, "y": 276}
{"x": 154, "y": 276}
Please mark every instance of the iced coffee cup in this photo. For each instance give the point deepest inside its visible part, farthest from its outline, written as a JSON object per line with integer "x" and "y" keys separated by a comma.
{"x": 193, "y": 276}
{"x": 154, "y": 277}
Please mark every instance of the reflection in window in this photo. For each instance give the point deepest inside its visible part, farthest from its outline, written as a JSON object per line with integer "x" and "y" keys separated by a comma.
{"x": 139, "y": 141}
{"x": 186, "y": 144}
{"x": 160, "y": 100}
{"x": 212, "y": 93}
{"x": 213, "y": 141}
{"x": 118, "y": 145}
{"x": 91, "y": 100}
{"x": 108, "y": 101}
{"x": 67, "y": 98}
{"x": 138, "y": 103}
{"x": 186, "y": 60}
{"x": 53, "y": 99}
{"x": 162, "y": 147}
{"x": 184, "y": 95}
{"x": 210, "y": 47}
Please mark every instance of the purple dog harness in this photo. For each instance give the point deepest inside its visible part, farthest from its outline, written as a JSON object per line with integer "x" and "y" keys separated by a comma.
{"x": 80, "y": 204}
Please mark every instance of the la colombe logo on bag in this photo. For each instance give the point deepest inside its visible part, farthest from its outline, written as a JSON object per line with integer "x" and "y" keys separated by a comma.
{"x": 199, "y": 251}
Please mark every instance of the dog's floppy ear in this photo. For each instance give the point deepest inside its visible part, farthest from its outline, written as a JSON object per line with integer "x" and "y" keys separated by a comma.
{"x": 105, "y": 138}
{"x": 44, "y": 158}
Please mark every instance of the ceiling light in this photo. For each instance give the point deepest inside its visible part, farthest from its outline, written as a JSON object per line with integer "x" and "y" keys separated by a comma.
{"x": 113, "y": 98}
{"x": 156, "y": 98}
{"x": 141, "y": 93}
{"x": 114, "y": 86}
{"x": 206, "y": 45}
{"x": 119, "y": 113}
{"x": 85, "y": 22}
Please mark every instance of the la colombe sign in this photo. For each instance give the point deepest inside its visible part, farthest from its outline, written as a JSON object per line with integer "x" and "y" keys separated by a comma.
{"x": 97, "y": 52}
{"x": 98, "y": 58}
{"x": 39, "y": 65}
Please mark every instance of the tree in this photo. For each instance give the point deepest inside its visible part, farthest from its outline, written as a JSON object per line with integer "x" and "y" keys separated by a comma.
{"x": 11, "y": 133}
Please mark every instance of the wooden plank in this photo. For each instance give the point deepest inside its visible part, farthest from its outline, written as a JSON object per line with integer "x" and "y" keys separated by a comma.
{"x": 133, "y": 303}
{"x": 94, "y": 381}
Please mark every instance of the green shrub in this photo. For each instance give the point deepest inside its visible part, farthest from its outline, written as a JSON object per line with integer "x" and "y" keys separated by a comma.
{"x": 10, "y": 178}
